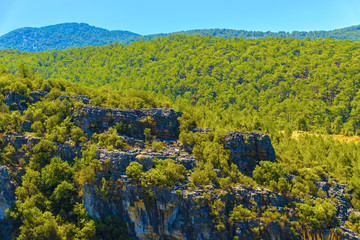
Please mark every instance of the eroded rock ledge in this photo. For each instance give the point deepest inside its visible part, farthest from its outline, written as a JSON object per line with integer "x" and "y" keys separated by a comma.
{"x": 163, "y": 122}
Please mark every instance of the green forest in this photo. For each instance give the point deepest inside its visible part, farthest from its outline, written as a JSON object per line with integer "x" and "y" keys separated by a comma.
{"x": 70, "y": 35}
{"x": 277, "y": 86}
{"x": 309, "y": 85}
{"x": 61, "y": 36}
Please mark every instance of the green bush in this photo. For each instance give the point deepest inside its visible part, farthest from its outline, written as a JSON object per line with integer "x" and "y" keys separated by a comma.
{"x": 110, "y": 138}
{"x": 165, "y": 172}
{"x": 239, "y": 213}
{"x": 135, "y": 170}
{"x": 157, "y": 146}
{"x": 316, "y": 215}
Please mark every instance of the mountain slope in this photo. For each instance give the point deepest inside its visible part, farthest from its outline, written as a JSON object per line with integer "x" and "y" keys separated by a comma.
{"x": 91, "y": 169}
{"x": 61, "y": 36}
{"x": 69, "y": 35}
{"x": 306, "y": 84}
{"x": 351, "y": 33}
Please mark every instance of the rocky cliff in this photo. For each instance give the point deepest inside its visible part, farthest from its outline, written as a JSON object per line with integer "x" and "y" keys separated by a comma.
{"x": 7, "y": 198}
{"x": 163, "y": 122}
{"x": 248, "y": 149}
{"x": 181, "y": 211}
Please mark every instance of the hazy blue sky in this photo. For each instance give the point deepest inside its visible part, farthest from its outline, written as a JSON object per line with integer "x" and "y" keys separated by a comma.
{"x": 155, "y": 16}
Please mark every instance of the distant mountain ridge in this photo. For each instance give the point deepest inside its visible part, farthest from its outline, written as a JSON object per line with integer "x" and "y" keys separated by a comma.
{"x": 61, "y": 36}
{"x": 69, "y": 35}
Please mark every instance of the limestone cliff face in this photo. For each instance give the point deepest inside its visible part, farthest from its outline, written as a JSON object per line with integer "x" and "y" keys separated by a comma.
{"x": 7, "y": 198}
{"x": 162, "y": 121}
{"x": 178, "y": 213}
{"x": 157, "y": 212}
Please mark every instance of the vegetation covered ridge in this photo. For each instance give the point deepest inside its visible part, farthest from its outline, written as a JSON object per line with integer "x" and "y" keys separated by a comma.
{"x": 309, "y": 85}
{"x": 69, "y": 35}
{"x": 313, "y": 176}
{"x": 61, "y": 36}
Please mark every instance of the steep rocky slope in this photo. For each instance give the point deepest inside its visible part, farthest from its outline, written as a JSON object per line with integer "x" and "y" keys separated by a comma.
{"x": 179, "y": 210}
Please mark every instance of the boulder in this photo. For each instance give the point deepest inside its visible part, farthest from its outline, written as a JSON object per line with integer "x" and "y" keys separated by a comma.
{"x": 248, "y": 149}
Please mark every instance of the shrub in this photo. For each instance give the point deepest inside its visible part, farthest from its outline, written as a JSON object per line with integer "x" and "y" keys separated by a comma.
{"x": 239, "y": 213}
{"x": 318, "y": 214}
{"x": 166, "y": 172}
{"x": 135, "y": 170}
{"x": 157, "y": 146}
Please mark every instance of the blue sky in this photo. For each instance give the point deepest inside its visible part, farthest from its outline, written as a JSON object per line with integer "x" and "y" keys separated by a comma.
{"x": 146, "y": 16}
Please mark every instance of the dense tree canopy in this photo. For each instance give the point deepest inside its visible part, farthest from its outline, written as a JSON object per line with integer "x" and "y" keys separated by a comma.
{"x": 70, "y": 35}
{"x": 307, "y": 84}
{"x": 297, "y": 91}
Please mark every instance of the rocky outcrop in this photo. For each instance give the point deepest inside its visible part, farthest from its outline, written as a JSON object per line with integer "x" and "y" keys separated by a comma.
{"x": 37, "y": 96}
{"x": 162, "y": 121}
{"x": 201, "y": 130}
{"x": 174, "y": 213}
{"x": 7, "y": 191}
{"x": 247, "y": 149}
{"x": 338, "y": 191}
{"x": 17, "y": 140}
{"x": 117, "y": 161}
{"x": 20, "y": 102}
{"x": 26, "y": 126}
{"x": 64, "y": 150}
{"x": 16, "y": 101}
{"x": 68, "y": 152}
{"x": 83, "y": 98}
{"x": 180, "y": 213}
{"x": 7, "y": 198}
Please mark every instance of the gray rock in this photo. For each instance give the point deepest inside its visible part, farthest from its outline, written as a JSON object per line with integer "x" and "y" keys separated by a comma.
{"x": 67, "y": 152}
{"x": 7, "y": 191}
{"x": 162, "y": 121}
{"x": 349, "y": 234}
{"x": 247, "y": 149}
{"x": 201, "y": 130}
{"x": 37, "y": 95}
{"x": 17, "y": 140}
{"x": 83, "y": 98}
{"x": 26, "y": 126}
{"x": 16, "y": 101}
{"x": 19, "y": 102}
{"x": 7, "y": 199}
{"x": 117, "y": 161}
{"x": 134, "y": 142}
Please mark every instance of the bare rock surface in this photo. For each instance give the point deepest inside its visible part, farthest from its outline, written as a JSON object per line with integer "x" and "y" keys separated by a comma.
{"x": 248, "y": 149}
{"x": 163, "y": 122}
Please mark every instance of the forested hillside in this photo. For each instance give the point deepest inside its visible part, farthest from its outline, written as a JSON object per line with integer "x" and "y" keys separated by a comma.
{"x": 310, "y": 85}
{"x": 70, "y": 35}
{"x": 64, "y": 159}
{"x": 75, "y": 147}
{"x": 350, "y": 33}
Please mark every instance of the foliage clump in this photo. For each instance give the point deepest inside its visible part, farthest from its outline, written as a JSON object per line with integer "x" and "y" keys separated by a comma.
{"x": 164, "y": 173}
